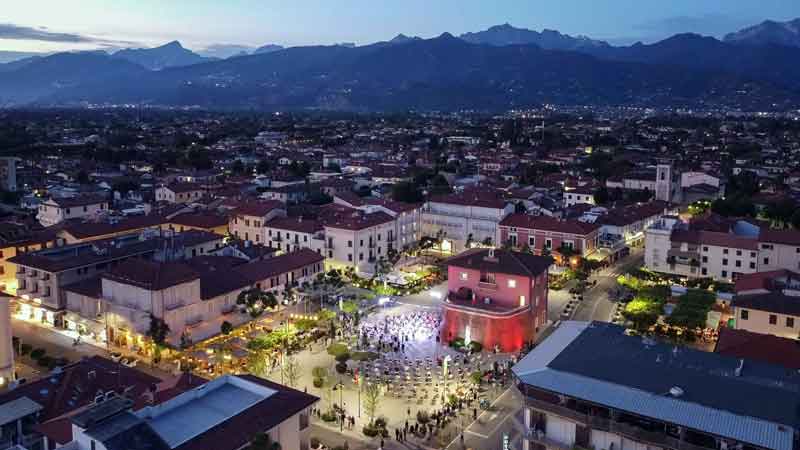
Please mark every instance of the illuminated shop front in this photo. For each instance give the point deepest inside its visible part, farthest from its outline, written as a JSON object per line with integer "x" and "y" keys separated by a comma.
{"x": 32, "y": 310}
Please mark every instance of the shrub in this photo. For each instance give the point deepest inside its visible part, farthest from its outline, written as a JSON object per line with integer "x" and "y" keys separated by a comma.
{"x": 341, "y": 367}
{"x": 380, "y": 422}
{"x": 319, "y": 382}
{"x": 337, "y": 348}
{"x": 457, "y": 343}
{"x": 314, "y": 442}
{"x": 476, "y": 377}
{"x": 342, "y": 357}
{"x": 319, "y": 372}
{"x": 475, "y": 347}
{"x": 329, "y": 416}
{"x": 38, "y": 353}
{"x": 371, "y": 431}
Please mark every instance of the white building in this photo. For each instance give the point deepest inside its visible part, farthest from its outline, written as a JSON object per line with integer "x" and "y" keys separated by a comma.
{"x": 248, "y": 220}
{"x": 57, "y": 210}
{"x": 722, "y": 252}
{"x": 458, "y": 218}
{"x": 224, "y": 414}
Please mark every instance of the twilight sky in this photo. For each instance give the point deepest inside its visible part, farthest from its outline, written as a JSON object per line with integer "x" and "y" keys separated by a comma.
{"x": 53, "y": 25}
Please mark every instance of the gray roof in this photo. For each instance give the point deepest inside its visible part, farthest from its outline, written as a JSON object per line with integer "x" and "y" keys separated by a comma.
{"x": 598, "y": 363}
{"x": 17, "y": 409}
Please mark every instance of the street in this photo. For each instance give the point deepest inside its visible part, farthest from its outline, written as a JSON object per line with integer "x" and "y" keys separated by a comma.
{"x": 596, "y": 304}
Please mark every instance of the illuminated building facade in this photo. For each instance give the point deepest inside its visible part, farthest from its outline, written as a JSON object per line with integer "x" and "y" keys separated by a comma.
{"x": 496, "y": 297}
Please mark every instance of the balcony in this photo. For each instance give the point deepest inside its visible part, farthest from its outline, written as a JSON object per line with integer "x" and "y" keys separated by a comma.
{"x": 478, "y": 305}
{"x": 655, "y": 436}
{"x": 487, "y": 284}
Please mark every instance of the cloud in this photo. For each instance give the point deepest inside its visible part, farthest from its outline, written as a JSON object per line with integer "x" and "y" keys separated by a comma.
{"x": 43, "y": 34}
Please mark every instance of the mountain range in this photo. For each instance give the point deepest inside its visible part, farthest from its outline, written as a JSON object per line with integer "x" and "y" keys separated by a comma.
{"x": 501, "y": 35}
{"x": 768, "y": 32}
{"x": 497, "y": 69}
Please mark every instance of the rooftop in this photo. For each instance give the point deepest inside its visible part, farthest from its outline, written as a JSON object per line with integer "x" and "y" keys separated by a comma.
{"x": 598, "y": 363}
{"x": 502, "y": 261}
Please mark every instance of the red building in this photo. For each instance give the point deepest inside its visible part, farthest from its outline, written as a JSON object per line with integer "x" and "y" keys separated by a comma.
{"x": 542, "y": 232}
{"x": 496, "y": 297}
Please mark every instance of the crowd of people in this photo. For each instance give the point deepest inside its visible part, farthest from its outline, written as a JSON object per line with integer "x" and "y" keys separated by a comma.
{"x": 393, "y": 333}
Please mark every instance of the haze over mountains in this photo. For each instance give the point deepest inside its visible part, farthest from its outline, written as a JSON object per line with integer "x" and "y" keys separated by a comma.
{"x": 499, "y": 68}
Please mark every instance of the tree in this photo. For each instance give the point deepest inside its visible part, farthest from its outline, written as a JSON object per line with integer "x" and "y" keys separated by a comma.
{"x": 372, "y": 395}
{"x": 382, "y": 268}
{"x": 439, "y": 185}
{"x": 601, "y": 195}
{"x": 158, "y": 331}
{"x": 291, "y": 370}
{"x": 256, "y": 300}
{"x": 226, "y": 328}
{"x": 407, "y": 192}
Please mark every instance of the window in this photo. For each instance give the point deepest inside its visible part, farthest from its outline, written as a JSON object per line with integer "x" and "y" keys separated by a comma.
{"x": 724, "y": 251}
{"x": 724, "y": 274}
{"x": 704, "y": 271}
{"x": 531, "y": 241}
{"x": 360, "y": 256}
{"x": 548, "y": 243}
{"x": 745, "y": 314}
{"x": 766, "y": 261}
{"x": 705, "y": 259}
{"x": 463, "y": 276}
{"x": 350, "y": 243}
{"x": 512, "y": 283}
{"x": 724, "y": 261}
{"x": 487, "y": 277}
{"x": 752, "y": 265}
{"x": 752, "y": 254}
{"x": 705, "y": 249}
{"x": 790, "y": 322}
{"x": 738, "y": 263}
{"x": 773, "y": 319}
{"x": 350, "y": 257}
{"x": 738, "y": 253}
{"x": 766, "y": 246}
{"x": 521, "y": 301}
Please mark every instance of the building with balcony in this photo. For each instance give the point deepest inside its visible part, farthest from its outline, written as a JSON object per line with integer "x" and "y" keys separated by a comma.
{"x": 248, "y": 219}
{"x": 495, "y": 297}
{"x": 543, "y": 233}
{"x": 460, "y": 219}
{"x": 42, "y": 274}
{"x": 192, "y": 297}
{"x": 719, "y": 248}
{"x": 768, "y": 303}
{"x": 589, "y": 385}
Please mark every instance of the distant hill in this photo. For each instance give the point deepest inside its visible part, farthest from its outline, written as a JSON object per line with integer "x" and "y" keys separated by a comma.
{"x": 222, "y": 51}
{"x": 172, "y": 54}
{"x": 506, "y": 34}
{"x": 771, "y": 64}
{"x": 269, "y": 48}
{"x": 768, "y": 32}
{"x": 50, "y": 75}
